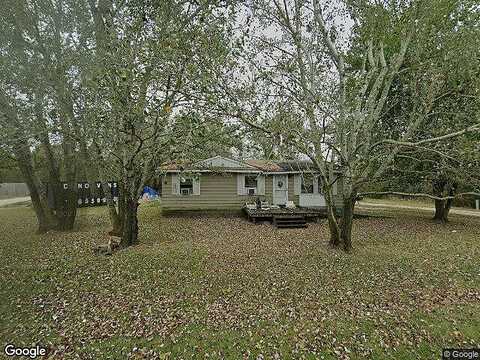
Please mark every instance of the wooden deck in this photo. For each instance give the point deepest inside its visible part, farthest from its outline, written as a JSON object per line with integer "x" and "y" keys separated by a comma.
{"x": 255, "y": 215}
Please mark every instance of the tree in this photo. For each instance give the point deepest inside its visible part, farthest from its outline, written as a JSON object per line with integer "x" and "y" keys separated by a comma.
{"x": 337, "y": 103}
{"x": 140, "y": 111}
{"x": 443, "y": 67}
{"x": 9, "y": 172}
{"x": 38, "y": 98}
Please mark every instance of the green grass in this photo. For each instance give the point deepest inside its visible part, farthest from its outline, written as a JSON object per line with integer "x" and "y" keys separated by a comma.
{"x": 415, "y": 202}
{"x": 393, "y": 200}
{"x": 230, "y": 289}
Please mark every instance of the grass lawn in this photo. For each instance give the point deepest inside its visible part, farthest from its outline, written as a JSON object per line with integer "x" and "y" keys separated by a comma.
{"x": 420, "y": 202}
{"x": 412, "y": 202}
{"x": 231, "y": 289}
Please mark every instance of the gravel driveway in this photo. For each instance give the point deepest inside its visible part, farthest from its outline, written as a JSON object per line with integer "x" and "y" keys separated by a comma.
{"x": 5, "y": 202}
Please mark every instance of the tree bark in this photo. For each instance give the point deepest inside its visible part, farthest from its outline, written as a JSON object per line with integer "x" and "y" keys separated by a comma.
{"x": 333, "y": 226}
{"x": 115, "y": 219}
{"x": 440, "y": 211}
{"x": 347, "y": 222}
{"x": 121, "y": 205}
{"x": 130, "y": 224}
{"x": 24, "y": 161}
{"x": 67, "y": 127}
{"x": 442, "y": 207}
{"x": 68, "y": 211}
{"x": 116, "y": 213}
{"x": 332, "y": 220}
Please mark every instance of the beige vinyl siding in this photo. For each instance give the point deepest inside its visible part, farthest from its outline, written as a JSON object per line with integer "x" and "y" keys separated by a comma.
{"x": 217, "y": 192}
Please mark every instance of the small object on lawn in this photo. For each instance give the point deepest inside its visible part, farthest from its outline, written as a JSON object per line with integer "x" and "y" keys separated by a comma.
{"x": 102, "y": 250}
{"x": 454, "y": 231}
{"x": 113, "y": 243}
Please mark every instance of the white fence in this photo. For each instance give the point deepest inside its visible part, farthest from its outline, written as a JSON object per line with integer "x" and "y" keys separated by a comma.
{"x": 13, "y": 190}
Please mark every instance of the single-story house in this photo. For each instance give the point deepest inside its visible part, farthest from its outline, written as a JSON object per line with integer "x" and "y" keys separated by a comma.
{"x": 221, "y": 183}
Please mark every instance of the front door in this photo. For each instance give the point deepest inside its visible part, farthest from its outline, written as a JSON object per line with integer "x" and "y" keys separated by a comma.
{"x": 280, "y": 189}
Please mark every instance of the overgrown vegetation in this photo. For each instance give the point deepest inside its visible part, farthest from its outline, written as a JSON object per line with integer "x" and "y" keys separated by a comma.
{"x": 228, "y": 288}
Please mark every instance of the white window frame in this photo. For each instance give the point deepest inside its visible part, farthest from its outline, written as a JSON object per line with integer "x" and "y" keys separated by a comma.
{"x": 249, "y": 188}
{"x": 302, "y": 184}
{"x": 184, "y": 179}
{"x": 259, "y": 189}
{"x": 177, "y": 181}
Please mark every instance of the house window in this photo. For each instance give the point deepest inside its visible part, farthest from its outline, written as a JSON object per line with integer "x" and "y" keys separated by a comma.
{"x": 186, "y": 186}
{"x": 307, "y": 184}
{"x": 251, "y": 184}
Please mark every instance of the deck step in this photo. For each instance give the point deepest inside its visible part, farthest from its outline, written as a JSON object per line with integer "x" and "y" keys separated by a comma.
{"x": 291, "y": 226}
{"x": 299, "y": 221}
{"x": 293, "y": 221}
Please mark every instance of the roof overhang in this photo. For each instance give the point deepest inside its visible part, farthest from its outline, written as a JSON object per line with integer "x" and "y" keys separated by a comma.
{"x": 239, "y": 171}
{"x": 220, "y": 164}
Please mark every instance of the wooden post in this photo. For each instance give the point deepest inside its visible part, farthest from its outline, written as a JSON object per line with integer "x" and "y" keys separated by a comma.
{"x": 477, "y": 203}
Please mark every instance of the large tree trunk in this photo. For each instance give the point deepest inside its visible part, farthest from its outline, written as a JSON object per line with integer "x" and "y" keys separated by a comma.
{"x": 333, "y": 226}
{"x": 332, "y": 220}
{"x": 68, "y": 124}
{"x": 116, "y": 213}
{"x": 44, "y": 224}
{"x": 69, "y": 205}
{"x": 130, "y": 224}
{"x": 45, "y": 220}
{"x": 440, "y": 215}
{"x": 347, "y": 222}
{"x": 55, "y": 189}
{"x": 121, "y": 205}
{"x": 442, "y": 207}
{"x": 115, "y": 219}
{"x": 68, "y": 211}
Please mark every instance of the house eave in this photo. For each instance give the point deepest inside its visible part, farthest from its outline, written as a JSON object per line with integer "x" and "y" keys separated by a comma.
{"x": 216, "y": 171}
{"x": 237, "y": 171}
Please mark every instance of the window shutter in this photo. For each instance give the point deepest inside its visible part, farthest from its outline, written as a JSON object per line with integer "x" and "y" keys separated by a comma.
{"x": 196, "y": 186}
{"x": 240, "y": 184}
{"x": 261, "y": 185}
{"x": 297, "y": 184}
{"x": 175, "y": 185}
